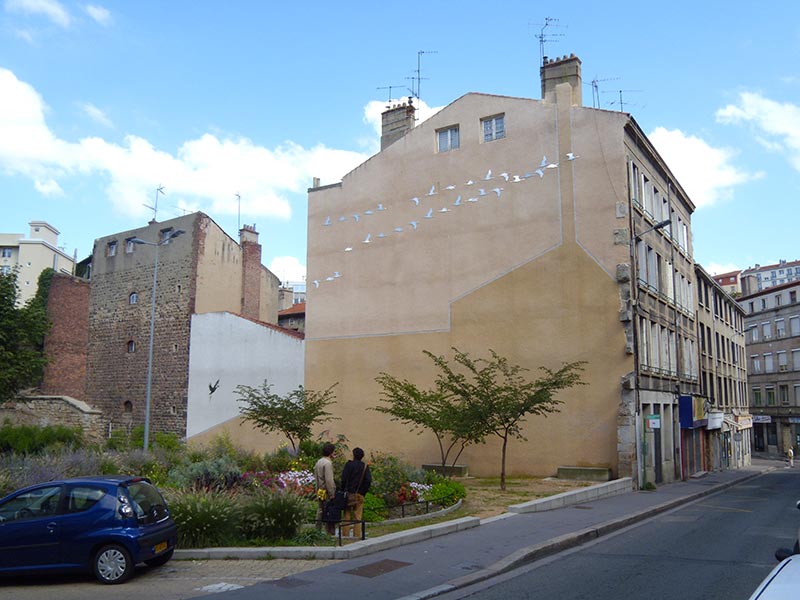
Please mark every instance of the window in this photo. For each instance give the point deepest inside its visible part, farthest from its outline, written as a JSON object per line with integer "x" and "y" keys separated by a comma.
{"x": 794, "y": 325}
{"x": 763, "y": 304}
{"x": 131, "y": 346}
{"x": 780, "y": 328}
{"x": 778, "y": 300}
{"x": 494, "y": 128}
{"x": 129, "y": 246}
{"x": 127, "y": 406}
{"x": 796, "y": 360}
{"x": 756, "y": 396}
{"x": 793, "y": 297}
{"x": 6, "y": 252}
{"x": 782, "y": 361}
{"x": 766, "y": 329}
{"x": 770, "y": 396}
{"x": 133, "y": 298}
{"x": 769, "y": 366}
{"x": 165, "y": 234}
{"x": 783, "y": 394}
{"x": 447, "y": 138}
{"x": 33, "y": 504}
{"x": 756, "y": 359}
{"x": 111, "y": 250}
{"x": 83, "y": 498}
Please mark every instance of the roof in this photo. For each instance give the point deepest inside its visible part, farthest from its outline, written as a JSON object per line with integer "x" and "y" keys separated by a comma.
{"x": 295, "y": 309}
{"x": 779, "y": 265}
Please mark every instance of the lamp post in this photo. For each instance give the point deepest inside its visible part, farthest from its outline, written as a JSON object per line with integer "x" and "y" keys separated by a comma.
{"x": 639, "y": 433}
{"x": 167, "y": 238}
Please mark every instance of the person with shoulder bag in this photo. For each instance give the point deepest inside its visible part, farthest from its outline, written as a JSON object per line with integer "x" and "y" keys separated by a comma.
{"x": 326, "y": 488}
{"x": 356, "y": 481}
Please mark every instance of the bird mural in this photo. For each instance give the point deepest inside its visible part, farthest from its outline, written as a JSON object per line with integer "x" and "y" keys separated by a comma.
{"x": 213, "y": 387}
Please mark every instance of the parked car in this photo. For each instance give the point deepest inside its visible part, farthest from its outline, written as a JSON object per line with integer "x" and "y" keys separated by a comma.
{"x": 783, "y": 582}
{"x": 106, "y": 525}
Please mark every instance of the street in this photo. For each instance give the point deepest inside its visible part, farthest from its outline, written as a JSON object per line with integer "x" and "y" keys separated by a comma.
{"x": 720, "y": 547}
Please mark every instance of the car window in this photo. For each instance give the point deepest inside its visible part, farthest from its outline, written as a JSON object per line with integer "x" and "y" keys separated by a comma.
{"x": 32, "y": 504}
{"x": 147, "y": 502}
{"x": 83, "y": 498}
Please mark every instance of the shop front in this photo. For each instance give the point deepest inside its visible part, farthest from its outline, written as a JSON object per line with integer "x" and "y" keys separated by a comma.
{"x": 693, "y": 422}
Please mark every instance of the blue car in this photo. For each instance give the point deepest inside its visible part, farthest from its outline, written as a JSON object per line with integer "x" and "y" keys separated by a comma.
{"x": 106, "y": 525}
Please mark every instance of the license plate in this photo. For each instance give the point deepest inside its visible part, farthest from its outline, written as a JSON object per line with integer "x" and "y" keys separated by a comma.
{"x": 160, "y": 547}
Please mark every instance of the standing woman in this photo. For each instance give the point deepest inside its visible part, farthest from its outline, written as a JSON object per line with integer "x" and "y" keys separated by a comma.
{"x": 356, "y": 481}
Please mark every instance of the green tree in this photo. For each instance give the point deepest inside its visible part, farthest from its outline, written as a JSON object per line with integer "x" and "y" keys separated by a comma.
{"x": 22, "y": 331}
{"x": 495, "y": 395}
{"x": 293, "y": 415}
{"x": 434, "y": 410}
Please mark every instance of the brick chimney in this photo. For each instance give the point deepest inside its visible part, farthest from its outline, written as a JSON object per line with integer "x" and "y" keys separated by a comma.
{"x": 566, "y": 69}
{"x": 396, "y": 122}
{"x": 251, "y": 271}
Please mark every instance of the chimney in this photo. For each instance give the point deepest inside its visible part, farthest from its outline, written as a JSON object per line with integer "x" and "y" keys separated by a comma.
{"x": 566, "y": 69}
{"x": 251, "y": 271}
{"x": 396, "y": 122}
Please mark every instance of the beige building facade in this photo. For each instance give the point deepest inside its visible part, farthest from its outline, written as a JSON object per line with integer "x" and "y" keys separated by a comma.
{"x": 32, "y": 255}
{"x": 527, "y": 227}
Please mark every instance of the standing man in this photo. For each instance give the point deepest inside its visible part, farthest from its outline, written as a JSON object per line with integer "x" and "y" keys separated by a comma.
{"x": 356, "y": 481}
{"x": 326, "y": 486}
{"x": 790, "y": 455}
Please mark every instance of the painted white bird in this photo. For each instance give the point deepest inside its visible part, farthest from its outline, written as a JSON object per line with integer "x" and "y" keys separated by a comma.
{"x": 488, "y": 175}
{"x": 329, "y": 278}
{"x": 368, "y": 212}
{"x": 472, "y": 199}
{"x": 381, "y": 207}
{"x": 457, "y": 202}
{"x": 398, "y": 230}
{"x": 342, "y": 218}
{"x": 316, "y": 283}
{"x": 498, "y": 191}
{"x": 327, "y": 221}
{"x": 433, "y": 190}
{"x": 544, "y": 161}
{"x": 367, "y": 239}
{"x": 517, "y": 179}
{"x": 552, "y": 166}
{"x": 415, "y": 200}
{"x": 444, "y": 209}
{"x": 470, "y": 182}
{"x": 481, "y": 192}
{"x": 571, "y": 156}
{"x": 381, "y": 235}
{"x": 504, "y": 176}
{"x": 539, "y": 172}
{"x": 430, "y": 214}
{"x": 450, "y": 187}
{"x": 336, "y": 274}
{"x": 348, "y": 249}
{"x": 413, "y": 224}
{"x": 356, "y": 217}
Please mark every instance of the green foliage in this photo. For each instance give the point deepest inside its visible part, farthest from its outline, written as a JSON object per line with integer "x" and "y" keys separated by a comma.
{"x": 22, "y": 331}
{"x": 389, "y": 474}
{"x": 272, "y": 514}
{"x": 31, "y": 439}
{"x": 446, "y": 492}
{"x": 278, "y": 461}
{"x": 293, "y": 415}
{"x": 374, "y": 508}
{"x": 204, "y": 519}
{"x": 213, "y": 474}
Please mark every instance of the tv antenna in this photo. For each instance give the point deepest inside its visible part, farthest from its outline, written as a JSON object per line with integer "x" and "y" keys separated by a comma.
{"x": 419, "y": 76}
{"x": 621, "y": 103}
{"x": 390, "y": 88}
{"x": 547, "y": 37}
{"x": 596, "y": 90}
{"x": 239, "y": 212}
{"x": 154, "y": 208}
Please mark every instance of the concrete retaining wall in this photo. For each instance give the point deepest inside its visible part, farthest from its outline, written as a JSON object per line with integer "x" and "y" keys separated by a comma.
{"x": 587, "y": 494}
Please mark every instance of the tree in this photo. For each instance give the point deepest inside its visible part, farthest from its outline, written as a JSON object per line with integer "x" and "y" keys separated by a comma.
{"x": 433, "y": 410}
{"x": 495, "y": 395}
{"x": 22, "y": 331}
{"x": 293, "y": 415}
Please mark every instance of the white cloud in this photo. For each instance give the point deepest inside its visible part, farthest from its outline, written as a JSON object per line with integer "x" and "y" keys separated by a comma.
{"x": 720, "y": 268}
{"x": 203, "y": 173}
{"x": 97, "y": 115}
{"x": 25, "y": 35}
{"x": 48, "y": 187}
{"x": 288, "y": 269}
{"x": 99, "y": 14}
{"x": 705, "y": 172}
{"x": 778, "y": 121}
{"x": 50, "y": 9}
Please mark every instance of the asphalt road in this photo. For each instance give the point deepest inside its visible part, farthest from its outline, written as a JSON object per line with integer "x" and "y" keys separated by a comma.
{"x": 719, "y": 547}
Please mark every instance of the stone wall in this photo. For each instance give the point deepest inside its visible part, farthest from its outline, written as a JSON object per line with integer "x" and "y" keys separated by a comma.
{"x": 56, "y": 410}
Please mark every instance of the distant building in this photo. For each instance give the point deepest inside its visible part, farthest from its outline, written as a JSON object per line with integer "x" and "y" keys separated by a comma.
{"x": 294, "y": 317}
{"x": 32, "y": 255}
{"x": 772, "y": 336}
{"x": 723, "y": 375}
{"x": 761, "y": 277}
{"x": 730, "y": 282}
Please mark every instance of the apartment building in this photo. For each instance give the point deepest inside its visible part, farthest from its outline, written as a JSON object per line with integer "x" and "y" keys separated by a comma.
{"x": 730, "y": 282}
{"x": 761, "y": 277}
{"x": 772, "y": 337}
{"x": 544, "y": 230}
{"x": 723, "y": 375}
{"x": 33, "y": 254}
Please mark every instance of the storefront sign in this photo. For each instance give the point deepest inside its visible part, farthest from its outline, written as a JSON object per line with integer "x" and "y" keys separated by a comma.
{"x": 715, "y": 420}
{"x": 746, "y": 422}
{"x": 762, "y": 419}
{"x": 692, "y": 412}
{"x": 794, "y": 419}
{"x": 653, "y": 421}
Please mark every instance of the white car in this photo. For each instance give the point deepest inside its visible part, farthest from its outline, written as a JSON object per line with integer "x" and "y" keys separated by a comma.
{"x": 782, "y": 583}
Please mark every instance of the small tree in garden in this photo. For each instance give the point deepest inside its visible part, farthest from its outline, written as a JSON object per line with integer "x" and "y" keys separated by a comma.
{"x": 293, "y": 415}
{"x": 496, "y": 396}
{"x": 433, "y": 410}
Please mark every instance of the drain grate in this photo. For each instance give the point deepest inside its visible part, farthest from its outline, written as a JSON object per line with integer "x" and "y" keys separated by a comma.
{"x": 290, "y": 582}
{"x": 583, "y": 506}
{"x": 378, "y": 568}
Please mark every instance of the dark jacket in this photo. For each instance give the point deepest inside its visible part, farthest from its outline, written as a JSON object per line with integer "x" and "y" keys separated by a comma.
{"x": 352, "y": 473}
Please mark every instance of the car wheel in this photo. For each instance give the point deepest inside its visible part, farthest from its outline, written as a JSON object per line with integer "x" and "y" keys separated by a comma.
{"x": 159, "y": 561}
{"x": 113, "y": 564}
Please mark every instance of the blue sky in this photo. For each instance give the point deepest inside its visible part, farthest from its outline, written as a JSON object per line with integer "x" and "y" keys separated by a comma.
{"x": 102, "y": 102}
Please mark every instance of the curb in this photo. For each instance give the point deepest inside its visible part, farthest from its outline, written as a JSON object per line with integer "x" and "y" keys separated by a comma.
{"x": 570, "y": 540}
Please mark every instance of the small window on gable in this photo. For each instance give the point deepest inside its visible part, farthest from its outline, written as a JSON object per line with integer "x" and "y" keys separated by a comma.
{"x": 494, "y": 128}
{"x": 133, "y": 298}
{"x": 6, "y": 252}
{"x": 129, "y": 246}
{"x": 127, "y": 406}
{"x": 448, "y": 138}
{"x": 165, "y": 234}
{"x": 131, "y": 346}
{"x": 111, "y": 250}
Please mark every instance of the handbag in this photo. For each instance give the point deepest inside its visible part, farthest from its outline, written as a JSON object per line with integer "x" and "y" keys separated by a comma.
{"x": 352, "y": 497}
{"x": 330, "y": 512}
{"x": 340, "y": 500}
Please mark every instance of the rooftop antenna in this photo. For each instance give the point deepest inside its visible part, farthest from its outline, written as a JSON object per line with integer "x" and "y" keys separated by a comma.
{"x": 390, "y": 88}
{"x": 159, "y": 190}
{"x": 596, "y": 90}
{"x": 239, "y": 213}
{"x": 547, "y": 37}
{"x": 419, "y": 76}
{"x": 621, "y": 102}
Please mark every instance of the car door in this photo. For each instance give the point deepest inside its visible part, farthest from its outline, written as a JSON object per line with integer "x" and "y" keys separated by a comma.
{"x": 28, "y": 529}
{"x": 83, "y": 514}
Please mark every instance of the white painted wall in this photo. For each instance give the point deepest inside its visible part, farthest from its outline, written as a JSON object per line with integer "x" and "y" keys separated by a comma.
{"x": 236, "y": 351}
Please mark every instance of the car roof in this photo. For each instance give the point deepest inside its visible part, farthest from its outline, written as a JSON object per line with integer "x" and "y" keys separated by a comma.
{"x": 782, "y": 583}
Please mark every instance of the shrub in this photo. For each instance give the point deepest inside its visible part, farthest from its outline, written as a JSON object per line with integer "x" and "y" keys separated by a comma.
{"x": 219, "y": 473}
{"x": 390, "y": 474}
{"x": 279, "y": 461}
{"x": 204, "y": 519}
{"x": 32, "y": 439}
{"x": 446, "y": 492}
{"x": 272, "y": 514}
{"x": 374, "y": 508}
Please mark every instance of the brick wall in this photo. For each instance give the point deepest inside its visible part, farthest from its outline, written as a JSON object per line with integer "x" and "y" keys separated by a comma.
{"x": 251, "y": 279}
{"x": 66, "y": 344}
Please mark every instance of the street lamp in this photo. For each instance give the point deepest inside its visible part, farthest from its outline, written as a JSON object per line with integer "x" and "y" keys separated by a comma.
{"x": 166, "y": 240}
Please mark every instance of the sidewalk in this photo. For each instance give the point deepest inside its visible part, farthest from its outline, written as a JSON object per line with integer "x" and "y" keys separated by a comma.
{"x": 428, "y": 561}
